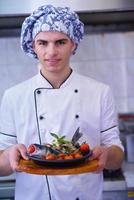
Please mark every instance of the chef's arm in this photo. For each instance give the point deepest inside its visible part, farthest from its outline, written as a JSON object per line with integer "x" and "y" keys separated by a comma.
{"x": 9, "y": 159}
{"x": 108, "y": 157}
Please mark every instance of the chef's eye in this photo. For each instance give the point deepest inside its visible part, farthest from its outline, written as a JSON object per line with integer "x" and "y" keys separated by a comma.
{"x": 61, "y": 42}
{"x": 43, "y": 43}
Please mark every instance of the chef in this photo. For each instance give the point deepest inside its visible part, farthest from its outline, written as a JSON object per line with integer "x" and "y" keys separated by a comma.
{"x": 57, "y": 100}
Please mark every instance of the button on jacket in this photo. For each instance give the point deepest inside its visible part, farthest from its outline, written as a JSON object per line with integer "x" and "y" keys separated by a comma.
{"x": 33, "y": 109}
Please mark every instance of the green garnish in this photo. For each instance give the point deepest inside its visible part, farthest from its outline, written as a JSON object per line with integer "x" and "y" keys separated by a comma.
{"x": 62, "y": 144}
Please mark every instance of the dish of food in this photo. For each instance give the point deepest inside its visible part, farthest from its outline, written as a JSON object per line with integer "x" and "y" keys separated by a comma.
{"x": 61, "y": 152}
{"x": 59, "y": 163}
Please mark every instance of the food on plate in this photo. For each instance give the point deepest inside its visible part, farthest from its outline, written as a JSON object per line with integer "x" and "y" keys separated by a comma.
{"x": 31, "y": 148}
{"x": 84, "y": 147}
{"x": 60, "y": 148}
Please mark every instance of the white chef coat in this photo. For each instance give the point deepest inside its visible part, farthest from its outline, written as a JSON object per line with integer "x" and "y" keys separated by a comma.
{"x": 33, "y": 109}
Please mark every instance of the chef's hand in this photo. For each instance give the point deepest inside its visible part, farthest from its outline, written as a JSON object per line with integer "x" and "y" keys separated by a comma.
{"x": 101, "y": 154}
{"x": 16, "y": 152}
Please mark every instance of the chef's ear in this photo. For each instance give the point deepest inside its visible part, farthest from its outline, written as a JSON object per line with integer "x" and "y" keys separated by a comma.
{"x": 34, "y": 49}
{"x": 73, "y": 47}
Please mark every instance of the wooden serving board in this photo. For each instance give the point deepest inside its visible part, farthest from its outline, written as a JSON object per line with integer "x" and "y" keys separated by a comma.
{"x": 30, "y": 167}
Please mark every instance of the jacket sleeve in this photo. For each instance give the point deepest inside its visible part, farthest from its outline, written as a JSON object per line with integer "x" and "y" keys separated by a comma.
{"x": 7, "y": 126}
{"x": 109, "y": 123}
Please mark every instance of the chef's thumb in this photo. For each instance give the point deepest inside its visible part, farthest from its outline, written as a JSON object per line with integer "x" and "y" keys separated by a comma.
{"x": 23, "y": 151}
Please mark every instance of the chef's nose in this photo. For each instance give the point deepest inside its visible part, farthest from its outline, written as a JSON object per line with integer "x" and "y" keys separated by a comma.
{"x": 51, "y": 50}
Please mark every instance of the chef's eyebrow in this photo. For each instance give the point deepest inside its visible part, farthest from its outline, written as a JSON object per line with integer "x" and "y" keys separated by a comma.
{"x": 59, "y": 40}
{"x": 63, "y": 40}
{"x": 41, "y": 40}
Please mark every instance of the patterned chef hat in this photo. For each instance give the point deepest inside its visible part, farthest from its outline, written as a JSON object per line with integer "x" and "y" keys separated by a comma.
{"x": 50, "y": 18}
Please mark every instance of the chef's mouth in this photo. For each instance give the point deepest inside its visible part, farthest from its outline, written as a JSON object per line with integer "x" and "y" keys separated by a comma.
{"x": 52, "y": 60}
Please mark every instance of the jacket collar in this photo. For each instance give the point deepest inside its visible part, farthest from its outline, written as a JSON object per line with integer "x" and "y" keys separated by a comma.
{"x": 42, "y": 82}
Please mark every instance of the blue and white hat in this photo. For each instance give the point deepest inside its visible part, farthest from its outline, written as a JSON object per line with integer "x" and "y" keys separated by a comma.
{"x": 50, "y": 18}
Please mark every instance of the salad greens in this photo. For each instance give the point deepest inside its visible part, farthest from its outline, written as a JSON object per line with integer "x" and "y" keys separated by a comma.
{"x": 62, "y": 144}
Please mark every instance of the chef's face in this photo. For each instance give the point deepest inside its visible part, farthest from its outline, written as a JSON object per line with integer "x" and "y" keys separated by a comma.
{"x": 53, "y": 50}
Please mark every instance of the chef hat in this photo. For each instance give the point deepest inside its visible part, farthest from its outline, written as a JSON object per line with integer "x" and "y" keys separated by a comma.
{"x": 50, "y": 18}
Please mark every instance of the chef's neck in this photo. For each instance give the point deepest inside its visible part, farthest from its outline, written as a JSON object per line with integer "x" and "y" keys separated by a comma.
{"x": 56, "y": 79}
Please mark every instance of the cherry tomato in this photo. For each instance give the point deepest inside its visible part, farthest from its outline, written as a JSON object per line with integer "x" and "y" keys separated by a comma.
{"x": 31, "y": 148}
{"x": 68, "y": 157}
{"x": 61, "y": 156}
{"x": 77, "y": 155}
{"x": 84, "y": 147}
{"x": 50, "y": 157}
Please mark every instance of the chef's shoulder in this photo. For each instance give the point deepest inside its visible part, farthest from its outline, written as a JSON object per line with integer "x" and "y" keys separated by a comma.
{"x": 91, "y": 83}
{"x": 21, "y": 88}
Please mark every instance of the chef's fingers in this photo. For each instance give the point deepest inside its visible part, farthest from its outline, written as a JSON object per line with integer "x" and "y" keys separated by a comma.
{"x": 23, "y": 151}
{"x": 100, "y": 153}
{"x": 96, "y": 152}
{"x": 15, "y": 153}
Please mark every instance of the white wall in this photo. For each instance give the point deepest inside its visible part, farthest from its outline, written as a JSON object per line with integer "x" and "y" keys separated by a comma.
{"x": 106, "y": 57}
{"x": 15, "y": 66}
